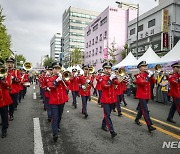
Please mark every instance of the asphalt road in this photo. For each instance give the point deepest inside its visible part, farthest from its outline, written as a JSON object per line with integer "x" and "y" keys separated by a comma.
{"x": 85, "y": 136}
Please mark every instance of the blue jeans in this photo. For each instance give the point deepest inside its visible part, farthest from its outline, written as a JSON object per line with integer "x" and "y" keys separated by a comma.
{"x": 107, "y": 119}
{"x": 74, "y": 95}
{"x": 165, "y": 97}
{"x": 143, "y": 110}
{"x": 56, "y": 115}
{"x": 84, "y": 104}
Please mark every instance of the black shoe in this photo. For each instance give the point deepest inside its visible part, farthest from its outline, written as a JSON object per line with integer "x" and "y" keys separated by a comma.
{"x": 120, "y": 114}
{"x": 138, "y": 122}
{"x": 75, "y": 106}
{"x": 49, "y": 119}
{"x": 113, "y": 134}
{"x": 125, "y": 104}
{"x": 151, "y": 128}
{"x": 86, "y": 115}
{"x": 11, "y": 118}
{"x": 114, "y": 110}
{"x": 4, "y": 134}
{"x": 170, "y": 120}
{"x": 104, "y": 128}
{"x": 55, "y": 137}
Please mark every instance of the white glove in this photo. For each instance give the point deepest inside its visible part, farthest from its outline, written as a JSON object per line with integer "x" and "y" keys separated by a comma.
{"x": 47, "y": 73}
{"x": 83, "y": 87}
{"x": 88, "y": 81}
{"x": 12, "y": 77}
{"x": 100, "y": 79}
{"x": 48, "y": 89}
{"x": 59, "y": 79}
{"x": 150, "y": 73}
{"x": 75, "y": 74}
{"x": 60, "y": 75}
{"x": 112, "y": 76}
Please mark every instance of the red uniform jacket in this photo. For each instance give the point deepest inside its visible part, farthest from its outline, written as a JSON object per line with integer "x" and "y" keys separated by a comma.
{"x": 58, "y": 94}
{"x": 5, "y": 98}
{"x": 109, "y": 93}
{"x": 174, "y": 80}
{"x": 47, "y": 90}
{"x": 16, "y": 78}
{"x": 74, "y": 84}
{"x": 120, "y": 89}
{"x": 99, "y": 81}
{"x": 82, "y": 81}
{"x": 42, "y": 81}
{"x": 143, "y": 86}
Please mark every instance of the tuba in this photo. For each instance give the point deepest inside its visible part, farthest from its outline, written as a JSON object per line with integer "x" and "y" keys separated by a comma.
{"x": 3, "y": 72}
{"x": 27, "y": 66}
{"x": 122, "y": 74}
{"x": 91, "y": 69}
{"x": 66, "y": 75}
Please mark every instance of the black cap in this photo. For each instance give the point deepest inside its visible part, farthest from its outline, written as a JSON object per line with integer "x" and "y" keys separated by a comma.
{"x": 142, "y": 63}
{"x": 85, "y": 67}
{"x": 100, "y": 71}
{"x": 74, "y": 70}
{"x": 10, "y": 59}
{"x": 107, "y": 65}
{"x": 56, "y": 65}
{"x": 177, "y": 64}
{"x": 1, "y": 62}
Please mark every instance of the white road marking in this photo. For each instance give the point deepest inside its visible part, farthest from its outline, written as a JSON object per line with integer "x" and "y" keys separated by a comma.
{"x": 38, "y": 145}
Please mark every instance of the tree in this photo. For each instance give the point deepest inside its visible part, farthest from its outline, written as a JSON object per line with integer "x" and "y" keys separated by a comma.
{"x": 18, "y": 59}
{"x": 48, "y": 61}
{"x": 76, "y": 57}
{"x": 112, "y": 52}
{"x": 124, "y": 52}
{"x": 5, "y": 38}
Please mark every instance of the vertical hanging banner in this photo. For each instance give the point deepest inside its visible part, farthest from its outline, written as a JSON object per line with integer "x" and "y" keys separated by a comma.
{"x": 165, "y": 26}
{"x": 105, "y": 49}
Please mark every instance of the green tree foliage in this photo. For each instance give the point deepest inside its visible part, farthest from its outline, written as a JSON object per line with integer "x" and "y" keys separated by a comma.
{"x": 124, "y": 52}
{"x": 5, "y": 38}
{"x": 76, "y": 57}
{"x": 112, "y": 52}
{"x": 48, "y": 61}
{"x": 18, "y": 59}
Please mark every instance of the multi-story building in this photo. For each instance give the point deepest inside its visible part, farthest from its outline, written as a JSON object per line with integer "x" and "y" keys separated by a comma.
{"x": 56, "y": 46}
{"x": 158, "y": 28}
{"x": 73, "y": 24}
{"x": 109, "y": 27}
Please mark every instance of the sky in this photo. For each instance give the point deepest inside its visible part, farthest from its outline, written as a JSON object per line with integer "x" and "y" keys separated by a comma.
{"x": 32, "y": 23}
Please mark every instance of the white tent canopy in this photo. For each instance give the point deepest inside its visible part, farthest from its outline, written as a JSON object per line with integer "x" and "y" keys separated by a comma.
{"x": 173, "y": 55}
{"x": 149, "y": 56}
{"x": 130, "y": 60}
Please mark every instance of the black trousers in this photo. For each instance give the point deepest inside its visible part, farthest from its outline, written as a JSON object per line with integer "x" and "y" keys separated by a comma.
{"x": 4, "y": 117}
{"x": 14, "y": 98}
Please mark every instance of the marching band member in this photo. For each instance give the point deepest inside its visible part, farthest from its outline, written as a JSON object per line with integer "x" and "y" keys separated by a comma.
{"x": 57, "y": 98}
{"x": 119, "y": 91}
{"x": 74, "y": 86}
{"x": 5, "y": 100}
{"x": 93, "y": 78}
{"x": 47, "y": 91}
{"x": 98, "y": 85}
{"x": 143, "y": 93}
{"x": 124, "y": 82}
{"x": 174, "y": 80}
{"x": 108, "y": 98}
{"x": 14, "y": 89}
{"x": 42, "y": 86}
{"x": 25, "y": 81}
{"x": 85, "y": 87}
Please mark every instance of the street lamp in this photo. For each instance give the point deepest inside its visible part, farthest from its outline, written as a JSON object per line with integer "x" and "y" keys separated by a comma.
{"x": 137, "y": 25}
